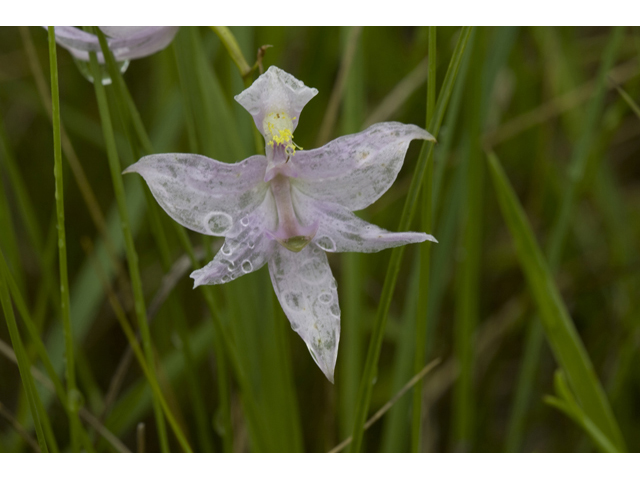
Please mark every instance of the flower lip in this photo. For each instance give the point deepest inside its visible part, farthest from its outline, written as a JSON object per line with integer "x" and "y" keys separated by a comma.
{"x": 275, "y": 91}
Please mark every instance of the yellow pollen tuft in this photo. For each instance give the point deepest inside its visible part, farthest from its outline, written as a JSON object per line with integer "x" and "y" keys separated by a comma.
{"x": 278, "y": 131}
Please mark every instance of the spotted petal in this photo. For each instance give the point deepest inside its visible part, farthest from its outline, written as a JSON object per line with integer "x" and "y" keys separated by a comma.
{"x": 275, "y": 91}
{"x": 339, "y": 230}
{"x": 307, "y": 292}
{"x": 202, "y": 194}
{"x": 246, "y": 252}
{"x": 355, "y": 170}
{"x": 140, "y": 42}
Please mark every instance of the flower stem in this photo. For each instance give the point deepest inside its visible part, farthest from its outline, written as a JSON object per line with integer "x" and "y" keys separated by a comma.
{"x": 425, "y": 257}
{"x": 65, "y": 303}
{"x": 231, "y": 44}
{"x": 373, "y": 353}
{"x": 132, "y": 257}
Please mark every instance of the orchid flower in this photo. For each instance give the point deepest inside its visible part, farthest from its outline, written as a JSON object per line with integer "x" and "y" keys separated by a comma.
{"x": 289, "y": 207}
{"x": 126, "y": 43}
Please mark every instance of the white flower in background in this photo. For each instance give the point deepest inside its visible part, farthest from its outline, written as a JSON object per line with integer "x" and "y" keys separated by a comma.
{"x": 126, "y": 43}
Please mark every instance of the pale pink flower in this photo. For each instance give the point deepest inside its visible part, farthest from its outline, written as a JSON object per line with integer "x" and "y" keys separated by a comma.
{"x": 289, "y": 207}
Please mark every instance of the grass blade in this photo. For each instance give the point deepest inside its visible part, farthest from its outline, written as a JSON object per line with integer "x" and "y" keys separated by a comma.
{"x": 627, "y": 98}
{"x": 23, "y": 361}
{"x": 373, "y": 353}
{"x": 567, "y": 404}
{"x": 578, "y": 164}
{"x": 560, "y": 331}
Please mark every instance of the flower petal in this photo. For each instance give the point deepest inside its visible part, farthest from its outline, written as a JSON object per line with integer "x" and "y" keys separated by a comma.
{"x": 355, "y": 170}
{"x": 307, "y": 292}
{"x": 122, "y": 32}
{"x": 339, "y": 230}
{"x": 246, "y": 252}
{"x": 141, "y": 43}
{"x": 275, "y": 91}
{"x": 202, "y": 194}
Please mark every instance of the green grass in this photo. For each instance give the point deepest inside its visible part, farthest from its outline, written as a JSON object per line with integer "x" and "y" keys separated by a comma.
{"x": 528, "y": 303}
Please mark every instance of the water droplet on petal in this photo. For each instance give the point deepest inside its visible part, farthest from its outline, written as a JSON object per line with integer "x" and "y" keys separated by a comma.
{"x": 326, "y": 243}
{"x": 226, "y": 278}
{"x": 325, "y": 297}
{"x": 247, "y": 266}
{"x": 335, "y": 310}
{"x": 333, "y": 285}
{"x": 294, "y": 300}
{"x": 251, "y": 244}
{"x": 226, "y": 249}
{"x": 218, "y": 223}
{"x": 244, "y": 221}
{"x": 229, "y": 264}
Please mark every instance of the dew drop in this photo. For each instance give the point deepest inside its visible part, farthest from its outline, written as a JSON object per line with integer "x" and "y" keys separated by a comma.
{"x": 326, "y": 243}
{"x": 335, "y": 310}
{"x": 251, "y": 244}
{"x": 226, "y": 249}
{"x": 325, "y": 297}
{"x": 226, "y": 278}
{"x": 333, "y": 285}
{"x": 228, "y": 263}
{"x": 244, "y": 221}
{"x": 247, "y": 266}
{"x": 218, "y": 223}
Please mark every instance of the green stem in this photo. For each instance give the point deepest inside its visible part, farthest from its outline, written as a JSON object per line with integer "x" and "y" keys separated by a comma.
{"x": 23, "y": 361}
{"x": 353, "y": 265}
{"x": 425, "y": 258}
{"x": 235, "y": 52}
{"x": 223, "y": 381}
{"x": 233, "y": 48}
{"x": 132, "y": 257}
{"x": 65, "y": 303}
{"x": 373, "y": 353}
{"x": 41, "y": 350}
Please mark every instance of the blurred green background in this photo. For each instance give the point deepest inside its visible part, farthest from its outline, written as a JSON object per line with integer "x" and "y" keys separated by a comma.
{"x": 558, "y": 106}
